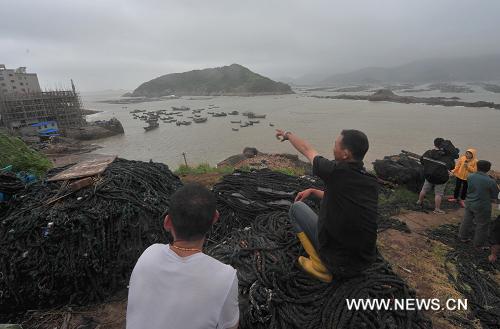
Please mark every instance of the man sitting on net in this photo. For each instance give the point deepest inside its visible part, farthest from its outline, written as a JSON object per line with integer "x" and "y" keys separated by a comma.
{"x": 177, "y": 286}
{"x": 341, "y": 242}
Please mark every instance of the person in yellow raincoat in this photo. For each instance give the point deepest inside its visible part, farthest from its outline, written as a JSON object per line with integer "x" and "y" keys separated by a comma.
{"x": 466, "y": 164}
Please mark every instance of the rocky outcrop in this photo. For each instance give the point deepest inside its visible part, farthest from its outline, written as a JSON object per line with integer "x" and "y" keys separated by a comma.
{"x": 387, "y": 95}
{"x": 96, "y": 130}
{"x": 252, "y": 158}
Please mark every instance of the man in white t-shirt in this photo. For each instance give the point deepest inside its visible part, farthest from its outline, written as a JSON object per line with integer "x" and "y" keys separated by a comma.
{"x": 177, "y": 286}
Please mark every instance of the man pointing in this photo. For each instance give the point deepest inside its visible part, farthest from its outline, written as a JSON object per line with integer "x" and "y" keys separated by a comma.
{"x": 341, "y": 241}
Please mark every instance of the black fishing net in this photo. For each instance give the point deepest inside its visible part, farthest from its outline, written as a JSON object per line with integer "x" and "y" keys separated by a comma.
{"x": 275, "y": 293}
{"x": 10, "y": 184}
{"x": 255, "y": 237}
{"x": 401, "y": 170}
{"x": 82, "y": 247}
{"x": 98, "y": 233}
{"x": 473, "y": 276}
{"x": 242, "y": 196}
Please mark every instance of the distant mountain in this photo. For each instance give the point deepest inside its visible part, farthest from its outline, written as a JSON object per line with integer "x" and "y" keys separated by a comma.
{"x": 481, "y": 68}
{"x": 227, "y": 80}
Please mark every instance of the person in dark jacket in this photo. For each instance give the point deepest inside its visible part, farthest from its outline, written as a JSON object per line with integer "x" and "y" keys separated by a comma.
{"x": 341, "y": 240}
{"x": 438, "y": 164}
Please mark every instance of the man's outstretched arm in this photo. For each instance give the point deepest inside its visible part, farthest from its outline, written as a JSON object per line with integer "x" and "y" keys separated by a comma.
{"x": 300, "y": 145}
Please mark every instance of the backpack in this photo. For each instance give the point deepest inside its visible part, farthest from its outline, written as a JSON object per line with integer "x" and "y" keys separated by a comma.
{"x": 450, "y": 149}
{"x": 436, "y": 173}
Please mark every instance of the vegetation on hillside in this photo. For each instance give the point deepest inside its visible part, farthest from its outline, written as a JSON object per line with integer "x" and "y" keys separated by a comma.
{"x": 15, "y": 152}
{"x": 227, "y": 80}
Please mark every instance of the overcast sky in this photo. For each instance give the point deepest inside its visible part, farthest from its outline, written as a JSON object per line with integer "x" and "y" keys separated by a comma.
{"x": 113, "y": 44}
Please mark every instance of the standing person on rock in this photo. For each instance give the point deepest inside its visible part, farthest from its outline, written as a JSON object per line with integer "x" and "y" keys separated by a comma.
{"x": 438, "y": 164}
{"x": 482, "y": 190}
{"x": 176, "y": 285}
{"x": 341, "y": 241}
{"x": 467, "y": 164}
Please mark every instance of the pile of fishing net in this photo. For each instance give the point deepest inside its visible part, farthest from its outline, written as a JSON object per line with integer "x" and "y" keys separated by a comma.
{"x": 62, "y": 247}
{"x": 401, "y": 170}
{"x": 10, "y": 183}
{"x": 473, "y": 276}
{"x": 255, "y": 237}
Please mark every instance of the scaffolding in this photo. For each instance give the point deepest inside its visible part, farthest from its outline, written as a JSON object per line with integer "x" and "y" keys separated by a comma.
{"x": 62, "y": 106}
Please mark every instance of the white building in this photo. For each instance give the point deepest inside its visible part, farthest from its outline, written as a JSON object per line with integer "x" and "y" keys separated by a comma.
{"x": 18, "y": 81}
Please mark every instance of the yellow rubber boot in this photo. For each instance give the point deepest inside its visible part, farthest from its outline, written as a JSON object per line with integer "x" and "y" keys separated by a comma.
{"x": 313, "y": 264}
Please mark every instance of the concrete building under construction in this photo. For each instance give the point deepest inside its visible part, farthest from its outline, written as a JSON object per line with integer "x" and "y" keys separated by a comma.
{"x": 23, "y": 103}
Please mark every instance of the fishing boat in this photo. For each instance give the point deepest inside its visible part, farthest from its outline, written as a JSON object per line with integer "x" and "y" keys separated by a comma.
{"x": 182, "y": 108}
{"x": 152, "y": 125}
{"x": 238, "y": 121}
{"x": 233, "y": 113}
{"x": 200, "y": 120}
{"x": 254, "y": 121}
{"x": 271, "y": 124}
{"x": 235, "y": 129}
{"x": 220, "y": 114}
{"x": 252, "y": 115}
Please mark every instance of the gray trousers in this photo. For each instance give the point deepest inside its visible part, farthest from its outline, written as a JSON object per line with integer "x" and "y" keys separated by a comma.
{"x": 304, "y": 219}
{"x": 481, "y": 219}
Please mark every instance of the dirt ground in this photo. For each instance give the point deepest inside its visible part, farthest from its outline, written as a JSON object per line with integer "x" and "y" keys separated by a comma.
{"x": 417, "y": 259}
{"x": 420, "y": 261}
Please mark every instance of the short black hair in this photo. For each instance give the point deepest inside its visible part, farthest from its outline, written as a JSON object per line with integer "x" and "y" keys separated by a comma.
{"x": 438, "y": 142}
{"x": 356, "y": 142}
{"x": 192, "y": 209}
{"x": 483, "y": 166}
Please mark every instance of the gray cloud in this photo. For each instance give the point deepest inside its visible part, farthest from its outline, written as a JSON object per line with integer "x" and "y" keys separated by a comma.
{"x": 121, "y": 43}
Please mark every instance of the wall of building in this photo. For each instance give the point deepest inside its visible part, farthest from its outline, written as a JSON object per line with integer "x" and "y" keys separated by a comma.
{"x": 18, "y": 81}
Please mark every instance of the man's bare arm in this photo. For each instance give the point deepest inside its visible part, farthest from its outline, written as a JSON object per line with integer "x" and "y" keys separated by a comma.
{"x": 299, "y": 144}
{"x": 318, "y": 193}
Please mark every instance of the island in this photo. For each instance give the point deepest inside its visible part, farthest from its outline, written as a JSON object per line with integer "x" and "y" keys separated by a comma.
{"x": 388, "y": 96}
{"x": 232, "y": 80}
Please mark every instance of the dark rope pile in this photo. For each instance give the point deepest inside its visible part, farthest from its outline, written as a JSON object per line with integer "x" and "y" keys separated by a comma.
{"x": 242, "y": 196}
{"x": 10, "y": 184}
{"x": 471, "y": 273}
{"x": 82, "y": 247}
{"x": 254, "y": 236}
{"x": 401, "y": 170}
{"x": 275, "y": 293}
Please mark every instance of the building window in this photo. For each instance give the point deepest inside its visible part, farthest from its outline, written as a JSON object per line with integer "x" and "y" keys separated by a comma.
{"x": 52, "y": 124}
{"x": 3, "y": 83}
{"x": 10, "y": 74}
{"x": 21, "y": 83}
{"x": 12, "y": 81}
{"x": 23, "y": 90}
{"x": 1, "y": 78}
{"x": 45, "y": 126}
{"x": 14, "y": 87}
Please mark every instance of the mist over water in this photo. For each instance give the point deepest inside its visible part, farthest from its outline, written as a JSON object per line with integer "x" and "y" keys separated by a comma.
{"x": 390, "y": 127}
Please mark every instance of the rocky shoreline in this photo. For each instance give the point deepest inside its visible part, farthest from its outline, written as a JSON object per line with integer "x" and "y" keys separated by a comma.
{"x": 386, "y": 95}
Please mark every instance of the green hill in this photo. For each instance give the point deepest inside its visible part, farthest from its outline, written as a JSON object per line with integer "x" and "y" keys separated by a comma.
{"x": 227, "y": 80}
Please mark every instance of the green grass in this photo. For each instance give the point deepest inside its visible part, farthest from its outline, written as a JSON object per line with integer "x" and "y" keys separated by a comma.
{"x": 401, "y": 195}
{"x": 202, "y": 168}
{"x": 15, "y": 152}
{"x": 205, "y": 168}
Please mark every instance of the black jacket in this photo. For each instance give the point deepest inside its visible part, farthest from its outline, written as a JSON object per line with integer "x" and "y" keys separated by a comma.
{"x": 437, "y": 173}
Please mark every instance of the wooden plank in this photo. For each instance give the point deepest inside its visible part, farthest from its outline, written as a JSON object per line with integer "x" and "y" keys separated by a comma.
{"x": 85, "y": 168}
